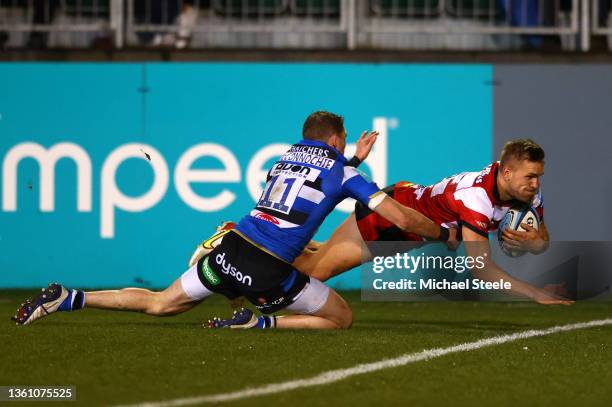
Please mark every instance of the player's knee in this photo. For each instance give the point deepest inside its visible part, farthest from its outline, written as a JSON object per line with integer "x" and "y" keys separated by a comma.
{"x": 346, "y": 319}
{"x": 343, "y": 317}
{"x": 161, "y": 306}
{"x": 158, "y": 309}
{"x": 322, "y": 274}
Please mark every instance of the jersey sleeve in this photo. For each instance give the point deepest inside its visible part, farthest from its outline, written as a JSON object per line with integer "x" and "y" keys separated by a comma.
{"x": 475, "y": 209}
{"x": 355, "y": 185}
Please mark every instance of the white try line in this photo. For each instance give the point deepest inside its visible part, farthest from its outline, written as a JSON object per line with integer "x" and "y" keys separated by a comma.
{"x": 333, "y": 376}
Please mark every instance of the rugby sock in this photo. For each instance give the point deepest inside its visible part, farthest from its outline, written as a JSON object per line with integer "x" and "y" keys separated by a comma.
{"x": 265, "y": 322}
{"x": 74, "y": 301}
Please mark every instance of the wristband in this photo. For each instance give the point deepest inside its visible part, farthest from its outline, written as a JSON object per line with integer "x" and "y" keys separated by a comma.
{"x": 444, "y": 234}
{"x": 353, "y": 162}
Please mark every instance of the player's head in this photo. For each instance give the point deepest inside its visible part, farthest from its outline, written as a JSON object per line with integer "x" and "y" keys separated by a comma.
{"x": 520, "y": 166}
{"x": 326, "y": 127}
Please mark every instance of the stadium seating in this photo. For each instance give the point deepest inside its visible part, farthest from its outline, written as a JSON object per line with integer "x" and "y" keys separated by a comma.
{"x": 13, "y": 3}
{"x": 485, "y": 9}
{"x": 315, "y": 8}
{"x": 250, "y": 8}
{"x": 411, "y": 24}
{"x": 405, "y": 8}
{"x": 87, "y": 8}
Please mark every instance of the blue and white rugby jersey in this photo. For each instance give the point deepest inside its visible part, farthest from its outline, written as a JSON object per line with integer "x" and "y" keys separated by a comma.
{"x": 302, "y": 188}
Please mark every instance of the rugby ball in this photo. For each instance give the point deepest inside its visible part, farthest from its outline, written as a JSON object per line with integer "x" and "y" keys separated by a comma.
{"x": 513, "y": 220}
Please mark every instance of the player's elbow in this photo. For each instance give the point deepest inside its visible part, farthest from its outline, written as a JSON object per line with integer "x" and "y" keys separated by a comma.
{"x": 404, "y": 223}
{"x": 409, "y": 224}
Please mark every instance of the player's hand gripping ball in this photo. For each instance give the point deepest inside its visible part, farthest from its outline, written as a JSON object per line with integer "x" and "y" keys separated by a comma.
{"x": 513, "y": 220}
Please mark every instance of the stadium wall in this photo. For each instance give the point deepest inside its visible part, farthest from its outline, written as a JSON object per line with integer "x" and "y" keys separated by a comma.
{"x": 157, "y": 154}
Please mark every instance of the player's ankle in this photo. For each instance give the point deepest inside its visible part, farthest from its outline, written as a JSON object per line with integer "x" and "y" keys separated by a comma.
{"x": 266, "y": 322}
{"x": 75, "y": 301}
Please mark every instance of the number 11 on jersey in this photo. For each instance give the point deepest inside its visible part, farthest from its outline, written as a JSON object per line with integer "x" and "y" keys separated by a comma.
{"x": 280, "y": 193}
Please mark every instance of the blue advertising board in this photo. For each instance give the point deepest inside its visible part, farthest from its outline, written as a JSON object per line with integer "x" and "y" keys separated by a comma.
{"x": 113, "y": 173}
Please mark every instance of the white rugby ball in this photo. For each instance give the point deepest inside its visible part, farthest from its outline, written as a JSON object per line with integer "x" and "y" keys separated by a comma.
{"x": 513, "y": 220}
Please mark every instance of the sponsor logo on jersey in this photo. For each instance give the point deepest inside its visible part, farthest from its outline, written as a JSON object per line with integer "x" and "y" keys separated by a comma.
{"x": 293, "y": 169}
{"x": 482, "y": 224}
{"x": 228, "y": 269}
{"x": 486, "y": 171}
{"x": 266, "y": 217}
{"x": 208, "y": 274}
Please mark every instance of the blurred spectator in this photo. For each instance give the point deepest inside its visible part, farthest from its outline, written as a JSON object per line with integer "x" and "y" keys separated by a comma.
{"x": 534, "y": 13}
{"x": 166, "y": 12}
{"x": 524, "y": 13}
{"x": 185, "y": 21}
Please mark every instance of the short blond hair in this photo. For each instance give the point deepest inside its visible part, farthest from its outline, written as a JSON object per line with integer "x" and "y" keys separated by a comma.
{"x": 521, "y": 149}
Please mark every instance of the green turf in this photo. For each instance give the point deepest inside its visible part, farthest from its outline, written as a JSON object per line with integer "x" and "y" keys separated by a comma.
{"x": 119, "y": 357}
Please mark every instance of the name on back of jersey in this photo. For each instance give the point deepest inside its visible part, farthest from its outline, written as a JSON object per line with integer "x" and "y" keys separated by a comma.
{"x": 319, "y": 157}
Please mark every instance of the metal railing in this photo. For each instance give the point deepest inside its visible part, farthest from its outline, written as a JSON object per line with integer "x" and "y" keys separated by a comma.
{"x": 416, "y": 24}
{"x": 469, "y": 24}
{"x": 238, "y": 23}
{"x": 334, "y": 24}
{"x": 64, "y": 23}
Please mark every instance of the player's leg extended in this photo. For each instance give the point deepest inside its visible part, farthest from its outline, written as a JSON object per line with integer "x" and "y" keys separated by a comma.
{"x": 182, "y": 295}
{"x": 340, "y": 253}
{"x": 171, "y": 301}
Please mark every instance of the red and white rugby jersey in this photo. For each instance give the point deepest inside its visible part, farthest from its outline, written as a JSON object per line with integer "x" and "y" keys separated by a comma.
{"x": 468, "y": 199}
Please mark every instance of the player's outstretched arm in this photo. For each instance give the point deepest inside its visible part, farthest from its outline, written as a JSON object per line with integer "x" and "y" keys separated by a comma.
{"x": 477, "y": 245}
{"x": 411, "y": 221}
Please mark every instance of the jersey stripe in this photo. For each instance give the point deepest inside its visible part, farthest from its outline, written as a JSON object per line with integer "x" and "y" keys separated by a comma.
{"x": 349, "y": 172}
{"x": 476, "y": 199}
{"x": 311, "y": 194}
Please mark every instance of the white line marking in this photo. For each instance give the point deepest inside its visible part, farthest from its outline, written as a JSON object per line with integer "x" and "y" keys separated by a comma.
{"x": 341, "y": 374}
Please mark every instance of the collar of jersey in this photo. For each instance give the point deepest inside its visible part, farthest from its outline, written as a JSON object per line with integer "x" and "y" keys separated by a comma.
{"x": 324, "y": 145}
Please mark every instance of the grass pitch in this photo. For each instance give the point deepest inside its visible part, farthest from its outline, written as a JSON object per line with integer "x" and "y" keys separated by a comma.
{"x": 121, "y": 358}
